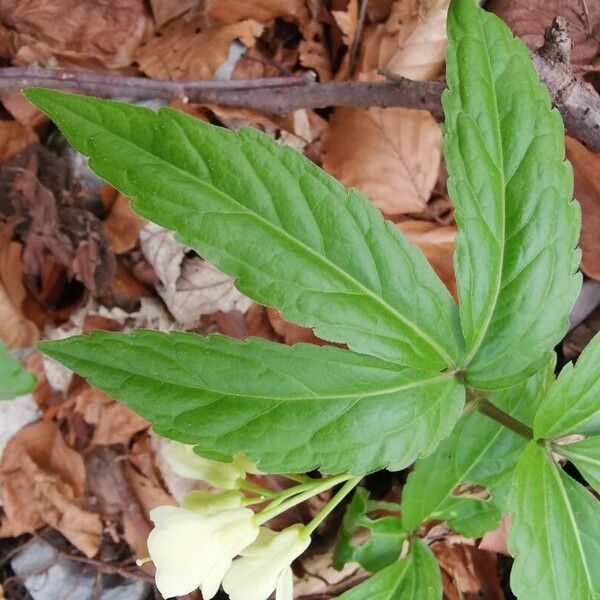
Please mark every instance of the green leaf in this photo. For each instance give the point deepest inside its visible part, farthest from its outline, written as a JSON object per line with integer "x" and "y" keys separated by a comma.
{"x": 386, "y": 535}
{"x": 572, "y": 404}
{"x": 515, "y": 257}
{"x": 585, "y": 455}
{"x": 14, "y": 379}
{"x": 478, "y": 451}
{"x": 415, "y": 576}
{"x": 290, "y": 234}
{"x": 291, "y": 408}
{"x": 555, "y": 532}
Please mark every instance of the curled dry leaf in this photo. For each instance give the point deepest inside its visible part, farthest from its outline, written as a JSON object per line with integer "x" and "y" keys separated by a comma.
{"x": 123, "y": 226}
{"x": 392, "y": 155}
{"x": 185, "y": 49}
{"x": 43, "y": 482}
{"x": 15, "y": 329}
{"x": 232, "y": 11}
{"x": 164, "y": 11}
{"x": 15, "y": 137}
{"x": 112, "y": 421}
{"x": 313, "y": 53}
{"x": 90, "y": 33}
{"x": 347, "y": 21}
{"x": 190, "y": 287}
{"x": 529, "y": 18}
{"x": 586, "y": 168}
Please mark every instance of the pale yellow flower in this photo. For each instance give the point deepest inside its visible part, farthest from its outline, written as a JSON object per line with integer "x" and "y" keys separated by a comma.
{"x": 264, "y": 566}
{"x": 186, "y": 463}
{"x": 195, "y": 548}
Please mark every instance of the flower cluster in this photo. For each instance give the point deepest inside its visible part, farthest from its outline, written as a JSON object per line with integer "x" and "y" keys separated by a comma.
{"x": 214, "y": 539}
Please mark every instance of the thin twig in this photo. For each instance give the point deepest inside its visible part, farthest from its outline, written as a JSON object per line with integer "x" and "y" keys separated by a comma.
{"x": 357, "y": 36}
{"x": 578, "y": 104}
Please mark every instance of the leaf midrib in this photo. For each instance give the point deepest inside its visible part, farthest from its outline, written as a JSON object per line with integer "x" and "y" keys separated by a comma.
{"x": 498, "y": 283}
{"x": 349, "y": 396}
{"x": 293, "y": 241}
{"x": 573, "y": 520}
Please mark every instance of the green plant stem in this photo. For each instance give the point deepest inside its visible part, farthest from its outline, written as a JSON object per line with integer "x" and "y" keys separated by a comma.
{"x": 277, "y": 507}
{"x": 485, "y": 407}
{"x": 328, "y": 508}
{"x": 249, "y": 486}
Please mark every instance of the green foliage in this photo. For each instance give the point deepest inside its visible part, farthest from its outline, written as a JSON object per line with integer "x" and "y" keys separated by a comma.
{"x": 415, "y": 576}
{"x": 479, "y": 451}
{"x": 572, "y": 405}
{"x": 515, "y": 257}
{"x": 555, "y": 532}
{"x": 290, "y": 408}
{"x": 386, "y": 534}
{"x": 14, "y": 379}
{"x": 585, "y": 455}
{"x": 295, "y": 239}
{"x": 289, "y": 233}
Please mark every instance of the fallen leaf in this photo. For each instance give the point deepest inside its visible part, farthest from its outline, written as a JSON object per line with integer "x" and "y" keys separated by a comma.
{"x": 112, "y": 422}
{"x": 586, "y": 168}
{"x": 123, "y": 226}
{"x": 186, "y": 50}
{"x": 233, "y": 11}
{"x": 421, "y": 55}
{"x": 496, "y": 541}
{"x": 43, "y": 482}
{"x": 85, "y": 32}
{"x": 14, "y": 138}
{"x": 14, "y": 415}
{"x": 15, "y": 329}
{"x": 290, "y": 332}
{"x": 529, "y": 18}
{"x": 190, "y": 287}
{"x": 21, "y": 109}
{"x": 467, "y": 572}
{"x": 347, "y": 21}
{"x": 164, "y": 11}
{"x": 313, "y": 53}
{"x": 392, "y": 155}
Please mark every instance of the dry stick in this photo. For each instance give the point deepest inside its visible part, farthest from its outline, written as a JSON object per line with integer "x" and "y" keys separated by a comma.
{"x": 578, "y": 104}
{"x": 357, "y": 37}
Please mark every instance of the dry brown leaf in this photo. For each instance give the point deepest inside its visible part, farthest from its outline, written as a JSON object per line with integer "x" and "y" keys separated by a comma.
{"x": 291, "y": 333}
{"x": 529, "y": 18}
{"x": 21, "y": 109}
{"x": 113, "y": 422}
{"x": 86, "y": 32}
{"x": 190, "y": 287}
{"x": 15, "y": 329}
{"x": 313, "y": 53}
{"x": 164, "y": 11}
{"x": 123, "y": 225}
{"x": 232, "y": 11}
{"x": 185, "y": 50}
{"x": 496, "y": 541}
{"x": 437, "y": 243}
{"x": 347, "y": 21}
{"x": 15, "y": 137}
{"x": 392, "y": 155}
{"x": 421, "y": 55}
{"x": 43, "y": 481}
{"x": 586, "y": 168}
{"x": 468, "y": 572}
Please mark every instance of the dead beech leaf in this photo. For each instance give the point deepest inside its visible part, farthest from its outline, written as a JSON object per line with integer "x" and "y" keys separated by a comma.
{"x": 232, "y": 11}
{"x": 313, "y": 54}
{"x": 185, "y": 50}
{"x": 586, "y": 168}
{"x": 421, "y": 55}
{"x": 85, "y": 32}
{"x": 392, "y": 155}
{"x": 43, "y": 481}
{"x": 347, "y": 21}
{"x": 164, "y": 11}
{"x": 113, "y": 422}
{"x": 21, "y": 109}
{"x": 190, "y": 287}
{"x": 529, "y": 18}
{"x": 15, "y": 137}
{"x": 123, "y": 226}
{"x": 468, "y": 572}
{"x": 291, "y": 333}
{"x": 15, "y": 329}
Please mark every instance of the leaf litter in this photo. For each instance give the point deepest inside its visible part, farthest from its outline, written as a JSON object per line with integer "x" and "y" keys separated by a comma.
{"x": 74, "y": 257}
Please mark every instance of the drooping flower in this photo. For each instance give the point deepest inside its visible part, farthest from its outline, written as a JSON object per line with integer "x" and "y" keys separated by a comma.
{"x": 186, "y": 463}
{"x": 195, "y": 548}
{"x": 264, "y": 566}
